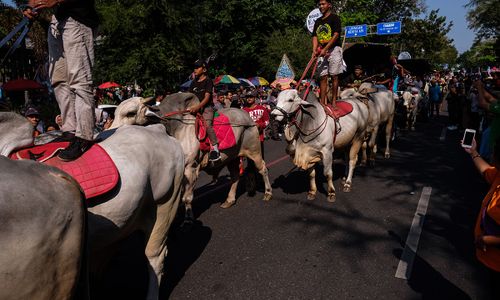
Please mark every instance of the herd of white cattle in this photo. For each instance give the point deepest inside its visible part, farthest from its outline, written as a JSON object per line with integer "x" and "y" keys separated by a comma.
{"x": 50, "y": 241}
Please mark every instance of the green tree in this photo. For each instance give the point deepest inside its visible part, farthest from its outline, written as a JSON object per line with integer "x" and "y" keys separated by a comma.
{"x": 483, "y": 17}
{"x": 482, "y": 53}
{"x": 295, "y": 42}
{"x": 154, "y": 42}
{"x": 426, "y": 38}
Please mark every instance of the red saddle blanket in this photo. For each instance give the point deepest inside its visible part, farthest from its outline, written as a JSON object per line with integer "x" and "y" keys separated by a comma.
{"x": 223, "y": 131}
{"x": 94, "y": 170}
{"x": 343, "y": 108}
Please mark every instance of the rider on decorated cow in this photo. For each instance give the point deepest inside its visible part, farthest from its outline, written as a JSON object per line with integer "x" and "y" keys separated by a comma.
{"x": 354, "y": 80}
{"x": 202, "y": 87}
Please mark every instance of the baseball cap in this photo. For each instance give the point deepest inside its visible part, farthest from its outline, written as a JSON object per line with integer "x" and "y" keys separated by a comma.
{"x": 31, "y": 112}
{"x": 251, "y": 93}
{"x": 200, "y": 63}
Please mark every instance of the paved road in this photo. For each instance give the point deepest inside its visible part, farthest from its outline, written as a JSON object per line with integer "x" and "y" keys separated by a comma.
{"x": 291, "y": 248}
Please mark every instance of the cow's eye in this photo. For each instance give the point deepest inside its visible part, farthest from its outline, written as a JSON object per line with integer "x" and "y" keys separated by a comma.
{"x": 290, "y": 100}
{"x": 131, "y": 114}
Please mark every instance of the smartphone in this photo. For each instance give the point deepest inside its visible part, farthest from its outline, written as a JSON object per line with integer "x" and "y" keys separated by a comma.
{"x": 469, "y": 135}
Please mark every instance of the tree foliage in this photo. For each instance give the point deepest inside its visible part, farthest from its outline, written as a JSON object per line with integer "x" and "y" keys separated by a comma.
{"x": 154, "y": 42}
{"x": 483, "y": 17}
{"x": 482, "y": 53}
{"x": 426, "y": 38}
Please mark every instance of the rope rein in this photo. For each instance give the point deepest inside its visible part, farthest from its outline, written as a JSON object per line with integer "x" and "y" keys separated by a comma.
{"x": 303, "y": 132}
{"x": 168, "y": 117}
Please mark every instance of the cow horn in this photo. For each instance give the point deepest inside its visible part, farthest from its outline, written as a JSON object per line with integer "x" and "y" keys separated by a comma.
{"x": 146, "y": 100}
{"x": 305, "y": 103}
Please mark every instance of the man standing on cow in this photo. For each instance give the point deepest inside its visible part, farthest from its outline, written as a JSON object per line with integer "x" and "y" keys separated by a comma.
{"x": 398, "y": 73}
{"x": 326, "y": 45}
{"x": 71, "y": 59}
{"x": 202, "y": 87}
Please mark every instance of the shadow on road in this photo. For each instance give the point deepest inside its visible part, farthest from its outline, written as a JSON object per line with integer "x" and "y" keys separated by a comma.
{"x": 429, "y": 283}
{"x": 126, "y": 276}
{"x": 184, "y": 248}
{"x": 297, "y": 181}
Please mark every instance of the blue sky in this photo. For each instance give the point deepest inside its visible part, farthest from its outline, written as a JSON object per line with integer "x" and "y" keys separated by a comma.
{"x": 455, "y": 11}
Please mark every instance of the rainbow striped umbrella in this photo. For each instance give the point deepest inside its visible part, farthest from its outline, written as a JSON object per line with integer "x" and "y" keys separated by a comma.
{"x": 258, "y": 81}
{"x": 246, "y": 82}
{"x": 225, "y": 79}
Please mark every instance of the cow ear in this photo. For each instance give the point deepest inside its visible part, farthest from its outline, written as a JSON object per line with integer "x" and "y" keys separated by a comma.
{"x": 152, "y": 113}
{"x": 190, "y": 98}
{"x": 305, "y": 103}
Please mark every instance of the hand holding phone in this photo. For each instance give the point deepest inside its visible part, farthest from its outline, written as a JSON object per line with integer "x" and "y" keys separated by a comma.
{"x": 468, "y": 139}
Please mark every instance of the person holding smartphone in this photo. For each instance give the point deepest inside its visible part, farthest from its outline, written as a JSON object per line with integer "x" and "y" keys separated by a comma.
{"x": 487, "y": 229}
{"x": 490, "y": 104}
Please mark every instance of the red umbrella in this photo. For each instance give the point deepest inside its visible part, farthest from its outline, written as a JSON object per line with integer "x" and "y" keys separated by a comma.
{"x": 108, "y": 85}
{"x": 21, "y": 85}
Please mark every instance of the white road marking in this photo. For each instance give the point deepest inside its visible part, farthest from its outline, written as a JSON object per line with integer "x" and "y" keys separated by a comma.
{"x": 443, "y": 134}
{"x": 405, "y": 265}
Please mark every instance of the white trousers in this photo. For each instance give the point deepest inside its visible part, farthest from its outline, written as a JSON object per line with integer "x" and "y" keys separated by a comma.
{"x": 71, "y": 58}
{"x": 333, "y": 64}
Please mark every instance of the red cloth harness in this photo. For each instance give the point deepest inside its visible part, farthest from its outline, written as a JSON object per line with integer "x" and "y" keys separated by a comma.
{"x": 343, "y": 108}
{"x": 94, "y": 170}
{"x": 223, "y": 131}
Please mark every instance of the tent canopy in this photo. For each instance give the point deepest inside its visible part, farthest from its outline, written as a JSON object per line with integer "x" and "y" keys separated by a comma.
{"x": 416, "y": 66}
{"x": 374, "y": 57}
{"x": 21, "y": 85}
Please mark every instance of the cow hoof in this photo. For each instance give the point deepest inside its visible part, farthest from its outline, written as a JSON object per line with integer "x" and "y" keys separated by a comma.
{"x": 331, "y": 198}
{"x": 311, "y": 196}
{"x": 387, "y": 155}
{"x": 371, "y": 163}
{"x": 267, "y": 196}
{"x": 227, "y": 204}
{"x": 343, "y": 180}
{"x": 362, "y": 164}
{"x": 413, "y": 129}
{"x": 347, "y": 188}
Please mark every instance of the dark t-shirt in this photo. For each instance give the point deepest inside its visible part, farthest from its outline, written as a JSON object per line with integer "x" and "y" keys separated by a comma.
{"x": 353, "y": 79}
{"x": 82, "y": 11}
{"x": 199, "y": 88}
{"x": 324, "y": 28}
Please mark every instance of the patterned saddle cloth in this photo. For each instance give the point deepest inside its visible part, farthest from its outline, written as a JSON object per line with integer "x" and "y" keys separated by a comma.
{"x": 94, "y": 170}
{"x": 343, "y": 108}
{"x": 223, "y": 131}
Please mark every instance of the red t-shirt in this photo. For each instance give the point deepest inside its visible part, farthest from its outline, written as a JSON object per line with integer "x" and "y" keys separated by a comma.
{"x": 260, "y": 115}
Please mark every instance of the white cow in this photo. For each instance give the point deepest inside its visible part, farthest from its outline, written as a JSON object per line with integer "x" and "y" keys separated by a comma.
{"x": 314, "y": 136}
{"x": 181, "y": 125}
{"x": 411, "y": 100}
{"x": 151, "y": 168}
{"x": 42, "y": 226}
{"x": 382, "y": 108}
